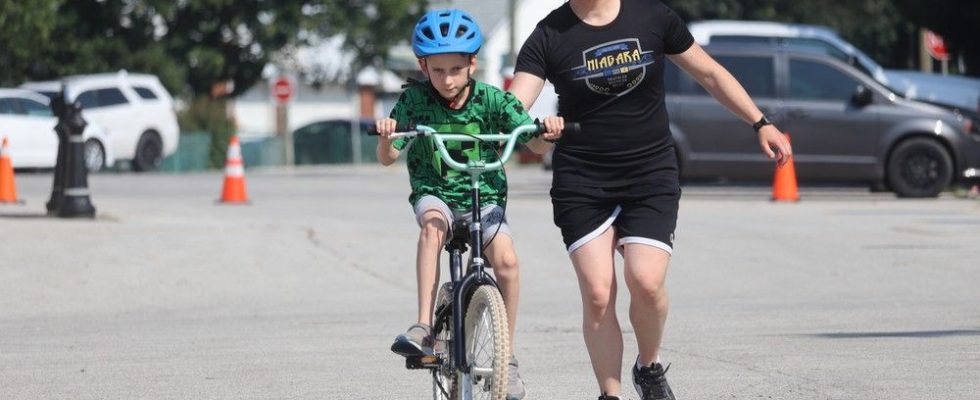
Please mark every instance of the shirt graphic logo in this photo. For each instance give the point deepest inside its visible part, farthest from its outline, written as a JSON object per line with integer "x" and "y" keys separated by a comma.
{"x": 614, "y": 68}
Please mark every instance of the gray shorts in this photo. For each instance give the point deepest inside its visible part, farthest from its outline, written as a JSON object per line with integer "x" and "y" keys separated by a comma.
{"x": 492, "y": 218}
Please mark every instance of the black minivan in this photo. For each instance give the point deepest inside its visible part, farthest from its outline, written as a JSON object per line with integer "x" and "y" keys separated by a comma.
{"x": 844, "y": 126}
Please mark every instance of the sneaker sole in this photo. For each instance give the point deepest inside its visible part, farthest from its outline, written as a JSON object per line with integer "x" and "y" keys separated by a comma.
{"x": 408, "y": 349}
{"x": 520, "y": 398}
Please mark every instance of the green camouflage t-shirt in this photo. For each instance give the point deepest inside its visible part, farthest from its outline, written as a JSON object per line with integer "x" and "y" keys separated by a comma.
{"x": 488, "y": 110}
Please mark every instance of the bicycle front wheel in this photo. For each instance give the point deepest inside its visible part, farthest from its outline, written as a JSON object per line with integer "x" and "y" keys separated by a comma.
{"x": 487, "y": 346}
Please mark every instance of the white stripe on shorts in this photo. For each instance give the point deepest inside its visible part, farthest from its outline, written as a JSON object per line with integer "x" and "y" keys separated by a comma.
{"x": 647, "y": 241}
{"x": 598, "y": 231}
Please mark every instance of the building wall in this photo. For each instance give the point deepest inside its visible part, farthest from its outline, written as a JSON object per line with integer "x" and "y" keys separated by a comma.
{"x": 255, "y": 111}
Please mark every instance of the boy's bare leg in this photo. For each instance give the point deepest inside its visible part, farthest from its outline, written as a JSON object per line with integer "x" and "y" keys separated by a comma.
{"x": 597, "y": 283}
{"x": 503, "y": 258}
{"x": 431, "y": 238}
{"x": 501, "y": 255}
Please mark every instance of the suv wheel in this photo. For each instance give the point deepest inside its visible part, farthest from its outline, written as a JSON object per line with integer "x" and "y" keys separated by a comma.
{"x": 94, "y": 155}
{"x": 149, "y": 152}
{"x": 919, "y": 167}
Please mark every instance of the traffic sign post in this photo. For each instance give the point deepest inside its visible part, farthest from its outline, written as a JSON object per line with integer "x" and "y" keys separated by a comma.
{"x": 935, "y": 46}
{"x": 282, "y": 92}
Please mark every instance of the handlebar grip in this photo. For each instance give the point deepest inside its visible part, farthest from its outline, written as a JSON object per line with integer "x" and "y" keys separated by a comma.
{"x": 398, "y": 128}
{"x": 570, "y": 128}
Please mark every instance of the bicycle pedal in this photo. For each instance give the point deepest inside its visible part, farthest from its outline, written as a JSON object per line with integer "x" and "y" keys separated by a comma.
{"x": 422, "y": 362}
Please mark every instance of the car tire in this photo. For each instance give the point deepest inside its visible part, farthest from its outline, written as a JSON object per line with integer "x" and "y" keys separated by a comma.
{"x": 149, "y": 152}
{"x": 919, "y": 167}
{"x": 94, "y": 154}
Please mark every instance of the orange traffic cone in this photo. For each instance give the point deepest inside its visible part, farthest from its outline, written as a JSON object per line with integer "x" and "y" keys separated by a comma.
{"x": 234, "y": 188}
{"x": 784, "y": 183}
{"x": 8, "y": 189}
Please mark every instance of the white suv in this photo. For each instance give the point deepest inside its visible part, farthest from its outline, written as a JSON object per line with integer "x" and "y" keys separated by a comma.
{"x": 27, "y": 121}
{"x": 135, "y": 108}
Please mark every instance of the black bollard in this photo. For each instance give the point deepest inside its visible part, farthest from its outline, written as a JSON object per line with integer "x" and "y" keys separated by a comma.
{"x": 75, "y": 201}
{"x": 58, "y": 188}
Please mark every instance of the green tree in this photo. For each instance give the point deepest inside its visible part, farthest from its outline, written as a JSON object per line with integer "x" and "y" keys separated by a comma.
{"x": 191, "y": 44}
{"x": 194, "y": 46}
{"x": 370, "y": 27}
{"x": 24, "y": 28}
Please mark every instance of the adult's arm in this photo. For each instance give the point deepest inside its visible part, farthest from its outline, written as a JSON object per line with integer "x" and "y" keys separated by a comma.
{"x": 726, "y": 89}
{"x": 526, "y": 87}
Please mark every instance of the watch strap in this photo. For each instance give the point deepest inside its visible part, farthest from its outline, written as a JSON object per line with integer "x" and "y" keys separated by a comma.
{"x": 760, "y": 123}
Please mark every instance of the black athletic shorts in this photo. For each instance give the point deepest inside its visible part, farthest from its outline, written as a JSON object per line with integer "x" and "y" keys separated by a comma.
{"x": 644, "y": 212}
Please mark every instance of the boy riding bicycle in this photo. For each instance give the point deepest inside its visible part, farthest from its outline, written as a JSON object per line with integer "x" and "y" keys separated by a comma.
{"x": 446, "y": 43}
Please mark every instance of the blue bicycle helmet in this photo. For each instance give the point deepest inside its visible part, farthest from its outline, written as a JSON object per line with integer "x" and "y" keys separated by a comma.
{"x": 445, "y": 32}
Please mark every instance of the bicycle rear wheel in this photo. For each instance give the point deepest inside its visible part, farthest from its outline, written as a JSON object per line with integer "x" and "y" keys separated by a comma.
{"x": 487, "y": 347}
{"x": 444, "y": 378}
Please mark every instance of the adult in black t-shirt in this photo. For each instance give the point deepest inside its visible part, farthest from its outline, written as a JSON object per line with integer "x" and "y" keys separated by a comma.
{"x": 615, "y": 183}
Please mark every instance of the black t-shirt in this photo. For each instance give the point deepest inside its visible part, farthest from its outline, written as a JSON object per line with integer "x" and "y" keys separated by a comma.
{"x": 609, "y": 79}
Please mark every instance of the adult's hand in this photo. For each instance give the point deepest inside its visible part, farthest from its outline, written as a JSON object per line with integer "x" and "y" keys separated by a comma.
{"x": 775, "y": 145}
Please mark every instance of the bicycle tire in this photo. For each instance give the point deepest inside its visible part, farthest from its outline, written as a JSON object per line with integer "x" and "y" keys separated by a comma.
{"x": 443, "y": 378}
{"x": 487, "y": 347}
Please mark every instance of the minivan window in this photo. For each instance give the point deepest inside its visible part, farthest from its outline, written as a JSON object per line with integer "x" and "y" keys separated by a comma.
{"x": 756, "y": 74}
{"x": 101, "y": 98}
{"x": 809, "y": 80}
{"x": 145, "y": 93}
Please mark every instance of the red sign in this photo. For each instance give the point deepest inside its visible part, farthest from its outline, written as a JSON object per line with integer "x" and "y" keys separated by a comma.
{"x": 936, "y": 46}
{"x": 282, "y": 90}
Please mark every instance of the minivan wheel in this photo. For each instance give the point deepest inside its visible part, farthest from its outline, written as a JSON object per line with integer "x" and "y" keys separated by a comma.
{"x": 149, "y": 152}
{"x": 919, "y": 167}
{"x": 94, "y": 155}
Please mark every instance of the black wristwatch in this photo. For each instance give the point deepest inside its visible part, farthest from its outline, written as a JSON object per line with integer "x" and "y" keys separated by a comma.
{"x": 760, "y": 123}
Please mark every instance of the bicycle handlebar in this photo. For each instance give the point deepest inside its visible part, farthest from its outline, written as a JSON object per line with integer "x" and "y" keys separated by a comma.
{"x": 474, "y": 165}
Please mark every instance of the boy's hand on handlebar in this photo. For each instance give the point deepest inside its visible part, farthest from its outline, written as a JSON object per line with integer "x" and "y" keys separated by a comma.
{"x": 553, "y": 126}
{"x": 385, "y": 127}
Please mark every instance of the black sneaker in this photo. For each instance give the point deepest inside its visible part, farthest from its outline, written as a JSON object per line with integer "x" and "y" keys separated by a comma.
{"x": 607, "y": 397}
{"x": 651, "y": 382}
{"x": 416, "y": 341}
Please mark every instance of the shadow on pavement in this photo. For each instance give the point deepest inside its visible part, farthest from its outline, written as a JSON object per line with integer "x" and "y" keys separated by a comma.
{"x": 24, "y": 216}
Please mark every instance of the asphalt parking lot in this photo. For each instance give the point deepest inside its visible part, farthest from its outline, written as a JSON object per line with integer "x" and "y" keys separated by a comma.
{"x": 167, "y": 295}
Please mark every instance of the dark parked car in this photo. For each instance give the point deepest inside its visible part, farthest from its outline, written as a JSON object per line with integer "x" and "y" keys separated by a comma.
{"x": 331, "y": 142}
{"x": 844, "y": 126}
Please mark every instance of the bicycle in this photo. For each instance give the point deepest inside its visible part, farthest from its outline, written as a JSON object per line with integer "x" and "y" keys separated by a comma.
{"x": 471, "y": 349}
